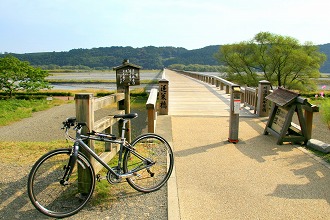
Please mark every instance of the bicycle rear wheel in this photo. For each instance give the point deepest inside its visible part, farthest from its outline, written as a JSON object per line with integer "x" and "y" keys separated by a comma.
{"x": 153, "y": 169}
{"x": 55, "y": 199}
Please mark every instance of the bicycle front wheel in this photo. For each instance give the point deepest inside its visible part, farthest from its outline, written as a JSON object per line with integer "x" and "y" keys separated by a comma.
{"x": 151, "y": 161}
{"x": 51, "y": 197}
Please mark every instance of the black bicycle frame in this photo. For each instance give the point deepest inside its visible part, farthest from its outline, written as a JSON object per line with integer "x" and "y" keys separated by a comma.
{"x": 80, "y": 143}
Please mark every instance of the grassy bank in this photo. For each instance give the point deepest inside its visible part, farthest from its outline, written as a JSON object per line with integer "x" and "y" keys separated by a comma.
{"x": 14, "y": 109}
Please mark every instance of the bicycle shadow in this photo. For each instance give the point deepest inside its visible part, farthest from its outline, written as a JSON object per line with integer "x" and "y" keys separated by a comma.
{"x": 14, "y": 201}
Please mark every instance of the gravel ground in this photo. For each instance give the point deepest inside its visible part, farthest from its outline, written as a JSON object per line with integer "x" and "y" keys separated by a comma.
{"x": 45, "y": 126}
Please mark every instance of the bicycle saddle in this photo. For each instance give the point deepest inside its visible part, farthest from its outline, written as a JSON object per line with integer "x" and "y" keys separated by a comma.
{"x": 126, "y": 116}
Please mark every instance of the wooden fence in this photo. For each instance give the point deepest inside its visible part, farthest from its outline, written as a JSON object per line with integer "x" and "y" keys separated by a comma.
{"x": 86, "y": 105}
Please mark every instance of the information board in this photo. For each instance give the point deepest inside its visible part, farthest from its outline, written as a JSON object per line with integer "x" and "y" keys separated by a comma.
{"x": 128, "y": 77}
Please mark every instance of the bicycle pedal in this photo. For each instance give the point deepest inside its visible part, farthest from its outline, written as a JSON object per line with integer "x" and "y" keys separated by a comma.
{"x": 99, "y": 177}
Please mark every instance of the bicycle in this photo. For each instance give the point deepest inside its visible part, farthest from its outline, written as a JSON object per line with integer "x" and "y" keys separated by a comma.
{"x": 62, "y": 181}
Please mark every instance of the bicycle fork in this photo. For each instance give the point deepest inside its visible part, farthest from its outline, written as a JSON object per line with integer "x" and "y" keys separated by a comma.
{"x": 70, "y": 166}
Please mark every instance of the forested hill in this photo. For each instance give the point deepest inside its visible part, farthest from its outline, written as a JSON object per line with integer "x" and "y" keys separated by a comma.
{"x": 325, "y": 48}
{"x": 148, "y": 57}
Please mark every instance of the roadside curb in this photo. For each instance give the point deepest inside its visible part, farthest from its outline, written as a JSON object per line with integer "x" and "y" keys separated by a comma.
{"x": 164, "y": 129}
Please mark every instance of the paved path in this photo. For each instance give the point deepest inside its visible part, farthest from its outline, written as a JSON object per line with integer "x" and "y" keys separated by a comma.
{"x": 253, "y": 179}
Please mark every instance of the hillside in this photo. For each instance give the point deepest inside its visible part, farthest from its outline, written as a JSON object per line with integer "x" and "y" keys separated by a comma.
{"x": 148, "y": 57}
{"x": 325, "y": 48}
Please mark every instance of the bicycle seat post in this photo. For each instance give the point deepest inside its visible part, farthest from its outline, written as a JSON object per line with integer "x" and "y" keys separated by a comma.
{"x": 123, "y": 129}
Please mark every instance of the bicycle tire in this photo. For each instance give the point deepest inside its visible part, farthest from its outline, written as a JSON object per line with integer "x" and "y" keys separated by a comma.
{"x": 47, "y": 194}
{"x": 155, "y": 148}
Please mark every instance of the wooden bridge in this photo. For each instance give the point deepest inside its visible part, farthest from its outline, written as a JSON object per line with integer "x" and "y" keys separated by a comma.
{"x": 189, "y": 96}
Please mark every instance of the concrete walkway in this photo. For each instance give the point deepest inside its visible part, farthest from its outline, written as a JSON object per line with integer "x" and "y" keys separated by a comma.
{"x": 253, "y": 179}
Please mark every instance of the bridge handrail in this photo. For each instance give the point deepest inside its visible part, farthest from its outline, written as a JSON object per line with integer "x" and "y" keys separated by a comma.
{"x": 151, "y": 106}
{"x": 249, "y": 96}
{"x": 209, "y": 79}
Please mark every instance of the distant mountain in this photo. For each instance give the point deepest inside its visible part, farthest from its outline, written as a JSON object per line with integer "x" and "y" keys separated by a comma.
{"x": 325, "y": 48}
{"x": 148, "y": 57}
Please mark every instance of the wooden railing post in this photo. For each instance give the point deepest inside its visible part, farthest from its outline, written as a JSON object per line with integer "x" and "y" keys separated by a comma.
{"x": 84, "y": 113}
{"x": 262, "y": 105}
{"x": 308, "y": 115}
{"x": 151, "y": 108}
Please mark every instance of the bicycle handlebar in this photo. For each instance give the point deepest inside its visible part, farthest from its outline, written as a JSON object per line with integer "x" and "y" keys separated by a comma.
{"x": 72, "y": 122}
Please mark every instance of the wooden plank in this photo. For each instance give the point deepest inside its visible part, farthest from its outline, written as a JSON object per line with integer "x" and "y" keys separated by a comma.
{"x": 282, "y": 97}
{"x": 106, "y": 122}
{"x": 106, "y": 157}
{"x": 192, "y": 97}
{"x": 152, "y": 99}
{"x": 107, "y": 100}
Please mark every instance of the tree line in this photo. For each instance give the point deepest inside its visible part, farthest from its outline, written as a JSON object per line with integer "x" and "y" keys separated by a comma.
{"x": 108, "y": 57}
{"x": 281, "y": 60}
{"x": 148, "y": 57}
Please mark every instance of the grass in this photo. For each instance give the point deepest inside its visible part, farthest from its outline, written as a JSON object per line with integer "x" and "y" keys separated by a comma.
{"x": 105, "y": 192}
{"x": 14, "y": 109}
{"x": 26, "y": 153}
{"x": 324, "y": 105}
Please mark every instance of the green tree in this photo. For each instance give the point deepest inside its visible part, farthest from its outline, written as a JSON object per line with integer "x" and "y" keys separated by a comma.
{"x": 281, "y": 60}
{"x": 17, "y": 75}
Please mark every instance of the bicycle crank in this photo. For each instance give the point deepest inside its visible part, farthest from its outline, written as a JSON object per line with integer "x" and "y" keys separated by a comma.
{"x": 113, "y": 179}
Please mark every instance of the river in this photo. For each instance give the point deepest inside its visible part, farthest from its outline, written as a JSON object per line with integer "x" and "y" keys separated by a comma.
{"x": 111, "y": 75}
{"x": 86, "y": 76}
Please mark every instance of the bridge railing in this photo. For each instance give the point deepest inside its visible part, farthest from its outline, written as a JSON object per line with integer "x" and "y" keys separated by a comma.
{"x": 254, "y": 98}
{"x": 250, "y": 98}
{"x": 214, "y": 80}
{"x": 86, "y": 105}
{"x": 152, "y": 110}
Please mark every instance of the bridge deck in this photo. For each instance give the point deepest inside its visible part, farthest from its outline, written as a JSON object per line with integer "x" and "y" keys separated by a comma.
{"x": 188, "y": 96}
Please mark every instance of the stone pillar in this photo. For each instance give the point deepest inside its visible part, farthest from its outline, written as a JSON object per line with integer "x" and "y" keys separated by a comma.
{"x": 262, "y": 105}
{"x": 163, "y": 96}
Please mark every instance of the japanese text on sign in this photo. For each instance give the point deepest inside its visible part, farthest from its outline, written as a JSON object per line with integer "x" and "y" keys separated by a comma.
{"x": 128, "y": 77}
{"x": 163, "y": 96}
{"x": 264, "y": 101}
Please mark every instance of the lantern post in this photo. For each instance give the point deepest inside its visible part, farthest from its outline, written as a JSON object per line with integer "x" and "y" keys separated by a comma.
{"x": 127, "y": 75}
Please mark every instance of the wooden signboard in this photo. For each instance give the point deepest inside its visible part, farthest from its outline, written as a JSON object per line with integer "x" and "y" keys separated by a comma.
{"x": 279, "y": 119}
{"x": 127, "y": 74}
{"x": 285, "y": 104}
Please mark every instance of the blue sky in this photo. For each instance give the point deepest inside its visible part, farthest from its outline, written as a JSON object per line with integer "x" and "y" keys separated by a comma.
{"x": 60, "y": 25}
